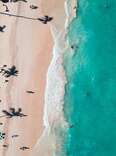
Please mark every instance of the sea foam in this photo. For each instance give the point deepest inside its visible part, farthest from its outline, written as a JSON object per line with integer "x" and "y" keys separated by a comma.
{"x": 49, "y": 143}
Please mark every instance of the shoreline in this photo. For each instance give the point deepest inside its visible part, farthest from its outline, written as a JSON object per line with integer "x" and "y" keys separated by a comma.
{"x": 29, "y": 47}
{"x": 55, "y": 73}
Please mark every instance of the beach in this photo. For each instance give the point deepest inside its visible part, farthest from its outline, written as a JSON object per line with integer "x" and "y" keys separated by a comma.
{"x": 27, "y": 45}
{"x": 36, "y": 49}
{"x": 50, "y": 142}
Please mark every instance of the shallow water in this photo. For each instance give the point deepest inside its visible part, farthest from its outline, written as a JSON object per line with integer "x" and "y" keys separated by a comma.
{"x": 90, "y": 97}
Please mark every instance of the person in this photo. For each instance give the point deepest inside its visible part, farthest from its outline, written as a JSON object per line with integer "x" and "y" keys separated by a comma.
{"x": 24, "y": 148}
{"x": 31, "y": 92}
{"x": 33, "y": 7}
{"x": 7, "y": 10}
{"x": 14, "y": 136}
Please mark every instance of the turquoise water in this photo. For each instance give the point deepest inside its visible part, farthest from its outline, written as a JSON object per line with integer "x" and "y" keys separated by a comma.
{"x": 90, "y": 98}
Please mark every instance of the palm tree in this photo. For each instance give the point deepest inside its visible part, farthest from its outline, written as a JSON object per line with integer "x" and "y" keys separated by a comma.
{"x": 10, "y": 72}
{"x": 13, "y": 113}
{"x": 7, "y": 1}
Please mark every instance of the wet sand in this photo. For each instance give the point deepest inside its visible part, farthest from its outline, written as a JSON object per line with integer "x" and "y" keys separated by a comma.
{"x": 47, "y": 143}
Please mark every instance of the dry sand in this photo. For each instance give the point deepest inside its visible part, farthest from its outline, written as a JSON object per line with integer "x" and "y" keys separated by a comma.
{"x": 28, "y": 45}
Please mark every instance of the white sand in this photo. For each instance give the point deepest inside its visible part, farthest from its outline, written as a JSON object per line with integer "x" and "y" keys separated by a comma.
{"x": 28, "y": 45}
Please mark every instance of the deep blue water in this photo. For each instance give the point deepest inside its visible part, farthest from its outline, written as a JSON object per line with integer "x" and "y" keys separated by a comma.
{"x": 90, "y": 98}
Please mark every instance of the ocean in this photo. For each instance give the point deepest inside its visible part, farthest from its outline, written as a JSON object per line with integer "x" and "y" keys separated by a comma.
{"x": 90, "y": 92}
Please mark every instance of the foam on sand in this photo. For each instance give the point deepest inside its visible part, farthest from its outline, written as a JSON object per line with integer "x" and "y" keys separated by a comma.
{"x": 49, "y": 143}
{"x": 53, "y": 115}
